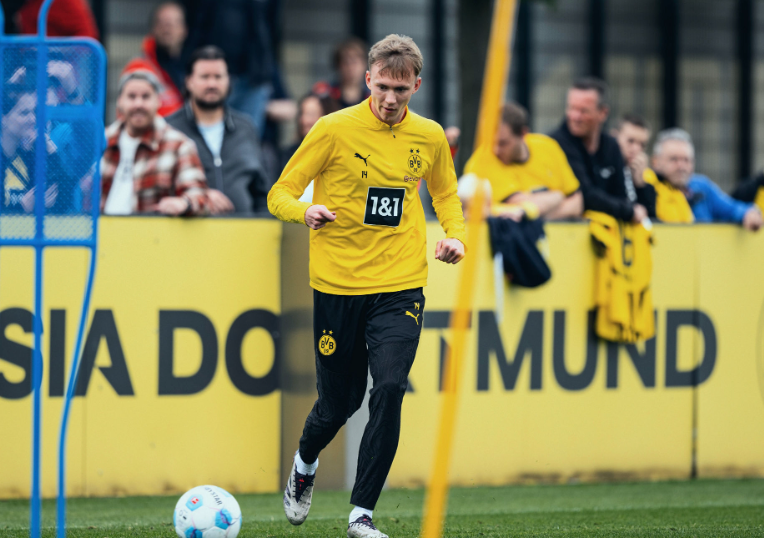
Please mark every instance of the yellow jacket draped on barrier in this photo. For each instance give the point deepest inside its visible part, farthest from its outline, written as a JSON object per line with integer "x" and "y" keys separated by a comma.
{"x": 623, "y": 271}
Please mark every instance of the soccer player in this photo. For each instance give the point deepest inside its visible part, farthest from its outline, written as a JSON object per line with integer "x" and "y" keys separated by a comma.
{"x": 368, "y": 264}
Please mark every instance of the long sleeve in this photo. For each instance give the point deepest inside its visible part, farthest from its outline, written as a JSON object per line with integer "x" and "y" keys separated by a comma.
{"x": 442, "y": 185}
{"x": 596, "y": 198}
{"x": 723, "y": 207}
{"x": 304, "y": 166}
{"x": 190, "y": 181}
{"x": 747, "y": 191}
{"x": 647, "y": 196}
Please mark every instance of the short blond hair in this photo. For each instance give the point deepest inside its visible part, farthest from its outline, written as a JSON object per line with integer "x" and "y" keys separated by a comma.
{"x": 398, "y": 55}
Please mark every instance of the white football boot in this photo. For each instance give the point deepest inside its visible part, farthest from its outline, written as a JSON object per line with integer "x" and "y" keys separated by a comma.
{"x": 364, "y": 528}
{"x": 297, "y": 496}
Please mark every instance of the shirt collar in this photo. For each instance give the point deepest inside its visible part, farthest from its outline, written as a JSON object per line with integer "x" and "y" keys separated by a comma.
{"x": 374, "y": 120}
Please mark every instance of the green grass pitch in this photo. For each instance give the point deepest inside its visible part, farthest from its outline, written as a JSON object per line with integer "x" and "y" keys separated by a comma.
{"x": 704, "y": 508}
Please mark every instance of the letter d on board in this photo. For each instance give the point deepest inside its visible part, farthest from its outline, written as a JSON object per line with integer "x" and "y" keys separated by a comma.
{"x": 700, "y": 374}
{"x": 169, "y": 321}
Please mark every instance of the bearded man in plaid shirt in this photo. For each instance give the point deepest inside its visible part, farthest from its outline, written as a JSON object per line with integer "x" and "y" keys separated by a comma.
{"x": 149, "y": 167}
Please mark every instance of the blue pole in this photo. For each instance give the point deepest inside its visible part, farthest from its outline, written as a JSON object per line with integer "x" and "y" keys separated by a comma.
{"x": 41, "y": 154}
{"x": 36, "y": 500}
{"x": 71, "y": 387}
{"x": 42, "y": 19}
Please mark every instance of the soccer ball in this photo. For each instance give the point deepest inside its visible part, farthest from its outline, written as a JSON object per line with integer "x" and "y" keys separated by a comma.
{"x": 207, "y": 512}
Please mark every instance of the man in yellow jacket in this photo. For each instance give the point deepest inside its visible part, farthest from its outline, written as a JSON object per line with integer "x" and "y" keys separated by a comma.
{"x": 368, "y": 264}
{"x": 633, "y": 134}
{"x": 528, "y": 172}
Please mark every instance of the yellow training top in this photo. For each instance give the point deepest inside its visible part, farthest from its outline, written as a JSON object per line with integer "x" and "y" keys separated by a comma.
{"x": 546, "y": 168}
{"x": 368, "y": 172}
{"x": 671, "y": 204}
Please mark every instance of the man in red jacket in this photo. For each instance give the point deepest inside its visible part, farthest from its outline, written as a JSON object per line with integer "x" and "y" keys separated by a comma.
{"x": 162, "y": 55}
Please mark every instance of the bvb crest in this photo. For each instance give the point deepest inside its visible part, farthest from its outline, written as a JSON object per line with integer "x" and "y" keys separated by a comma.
{"x": 414, "y": 162}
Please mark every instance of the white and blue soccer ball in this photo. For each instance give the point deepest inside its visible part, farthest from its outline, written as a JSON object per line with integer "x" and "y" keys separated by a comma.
{"x": 207, "y": 512}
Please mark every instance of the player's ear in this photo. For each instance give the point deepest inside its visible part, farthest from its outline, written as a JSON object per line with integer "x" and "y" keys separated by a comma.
{"x": 417, "y": 84}
{"x": 368, "y": 79}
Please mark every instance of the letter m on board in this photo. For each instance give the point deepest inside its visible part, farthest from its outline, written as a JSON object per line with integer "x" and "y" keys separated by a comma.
{"x": 490, "y": 345}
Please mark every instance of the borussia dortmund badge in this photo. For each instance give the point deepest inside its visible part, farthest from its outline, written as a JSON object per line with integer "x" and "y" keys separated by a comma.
{"x": 327, "y": 344}
{"x": 414, "y": 162}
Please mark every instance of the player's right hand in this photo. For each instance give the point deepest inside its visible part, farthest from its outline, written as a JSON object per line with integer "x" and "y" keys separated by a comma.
{"x": 317, "y": 216}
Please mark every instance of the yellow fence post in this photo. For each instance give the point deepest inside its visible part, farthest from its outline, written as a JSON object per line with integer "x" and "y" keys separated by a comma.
{"x": 494, "y": 85}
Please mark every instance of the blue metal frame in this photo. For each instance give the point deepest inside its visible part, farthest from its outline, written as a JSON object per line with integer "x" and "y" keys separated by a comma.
{"x": 44, "y": 113}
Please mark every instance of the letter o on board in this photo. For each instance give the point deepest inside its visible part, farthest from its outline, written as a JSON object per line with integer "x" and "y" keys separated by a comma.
{"x": 242, "y": 380}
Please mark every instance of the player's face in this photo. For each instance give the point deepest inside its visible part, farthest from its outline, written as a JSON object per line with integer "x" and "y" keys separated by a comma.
{"x": 507, "y": 145}
{"x": 390, "y": 95}
{"x": 583, "y": 113}
{"x": 208, "y": 83}
{"x": 633, "y": 141}
{"x": 139, "y": 104}
{"x": 310, "y": 112}
{"x": 675, "y": 162}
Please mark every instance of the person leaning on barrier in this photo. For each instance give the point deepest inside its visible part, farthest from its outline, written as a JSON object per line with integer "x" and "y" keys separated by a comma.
{"x": 595, "y": 156}
{"x": 18, "y": 134}
{"x": 226, "y": 139}
{"x": 633, "y": 135}
{"x": 674, "y": 163}
{"x": 526, "y": 170}
{"x": 148, "y": 166}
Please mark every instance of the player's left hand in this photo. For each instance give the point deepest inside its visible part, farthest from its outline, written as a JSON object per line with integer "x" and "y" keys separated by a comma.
{"x": 449, "y": 250}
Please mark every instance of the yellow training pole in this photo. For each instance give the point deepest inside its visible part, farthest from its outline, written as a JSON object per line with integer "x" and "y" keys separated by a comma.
{"x": 492, "y": 96}
{"x": 437, "y": 492}
{"x": 496, "y": 71}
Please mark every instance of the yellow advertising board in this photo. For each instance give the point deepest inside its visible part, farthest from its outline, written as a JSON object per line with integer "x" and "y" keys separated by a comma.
{"x": 544, "y": 400}
{"x": 178, "y": 385}
{"x": 731, "y": 401}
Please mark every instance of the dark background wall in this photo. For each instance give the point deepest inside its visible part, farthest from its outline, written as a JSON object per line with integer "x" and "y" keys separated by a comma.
{"x": 691, "y": 63}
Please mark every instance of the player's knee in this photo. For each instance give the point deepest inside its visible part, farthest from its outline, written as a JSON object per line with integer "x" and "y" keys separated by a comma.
{"x": 391, "y": 389}
{"x": 332, "y": 415}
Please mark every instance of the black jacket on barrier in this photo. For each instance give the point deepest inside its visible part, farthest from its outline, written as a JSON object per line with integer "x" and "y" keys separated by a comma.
{"x": 239, "y": 173}
{"x": 747, "y": 190}
{"x": 601, "y": 175}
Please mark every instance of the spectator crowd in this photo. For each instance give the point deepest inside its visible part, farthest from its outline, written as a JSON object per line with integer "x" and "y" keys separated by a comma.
{"x": 579, "y": 167}
{"x": 198, "y": 111}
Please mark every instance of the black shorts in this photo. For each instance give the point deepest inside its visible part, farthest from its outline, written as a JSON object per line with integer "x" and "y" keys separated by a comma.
{"x": 346, "y": 326}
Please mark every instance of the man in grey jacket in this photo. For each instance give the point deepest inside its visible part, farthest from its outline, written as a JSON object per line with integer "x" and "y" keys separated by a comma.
{"x": 228, "y": 143}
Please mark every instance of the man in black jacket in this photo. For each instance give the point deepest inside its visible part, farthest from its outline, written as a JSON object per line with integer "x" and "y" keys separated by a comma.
{"x": 595, "y": 156}
{"x": 227, "y": 141}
